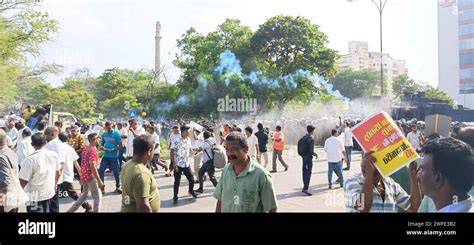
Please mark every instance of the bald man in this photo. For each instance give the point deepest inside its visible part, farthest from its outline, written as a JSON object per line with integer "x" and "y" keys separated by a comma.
{"x": 7, "y": 156}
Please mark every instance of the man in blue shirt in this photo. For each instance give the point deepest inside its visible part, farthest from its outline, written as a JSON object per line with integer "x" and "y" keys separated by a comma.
{"x": 111, "y": 142}
{"x": 262, "y": 137}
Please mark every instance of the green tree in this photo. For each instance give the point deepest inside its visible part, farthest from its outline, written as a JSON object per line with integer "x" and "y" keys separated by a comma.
{"x": 403, "y": 84}
{"x": 199, "y": 53}
{"x": 434, "y": 93}
{"x": 23, "y": 30}
{"x": 291, "y": 43}
{"x": 358, "y": 84}
{"x": 111, "y": 84}
{"x": 287, "y": 44}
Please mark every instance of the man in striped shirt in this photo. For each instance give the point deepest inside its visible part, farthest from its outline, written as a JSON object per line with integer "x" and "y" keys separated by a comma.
{"x": 368, "y": 191}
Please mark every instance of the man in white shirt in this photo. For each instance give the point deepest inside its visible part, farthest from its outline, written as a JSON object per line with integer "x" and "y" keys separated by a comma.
{"x": 25, "y": 148}
{"x": 415, "y": 137}
{"x": 335, "y": 152}
{"x": 348, "y": 144}
{"x": 124, "y": 134}
{"x": 179, "y": 154}
{"x": 446, "y": 175}
{"x": 196, "y": 141}
{"x": 252, "y": 142}
{"x": 133, "y": 131}
{"x": 39, "y": 174}
{"x": 67, "y": 175}
{"x": 21, "y": 126}
{"x": 156, "y": 150}
{"x": 55, "y": 145}
{"x": 208, "y": 164}
{"x": 175, "y": 134}
{"x": 12, "y": 131}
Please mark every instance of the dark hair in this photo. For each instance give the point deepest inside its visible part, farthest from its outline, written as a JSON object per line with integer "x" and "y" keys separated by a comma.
{"x": 454, "y": 159}
{"x": 184, "y": 127}
{"x": 260, "y": 126}
{"x": 91, "y": 137}
{"x": 108, "y": 123}
{"x": 63, "y": 137}
{"x": 466, "y": 134}
{"x": 58, "y": 123}
{"x": 249, "y": 129}
{"x": 142, "y": 144}
{"x": 310, "y": 129}
{"x": 207, "y": 134}
{"x": 41, "y": 125}
{"x": 151, "y": 128}
{"x": 38, "y": 139}
{"x": 239, "y": 137}
{"x": 26, "y": 132}
{"x": 238, "y": 129}
{"x": 278, "y": 128}
{"x": 333, "y": 132}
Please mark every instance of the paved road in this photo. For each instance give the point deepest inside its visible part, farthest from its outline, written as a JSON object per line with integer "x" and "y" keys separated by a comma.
{"x": 288, "y": 187}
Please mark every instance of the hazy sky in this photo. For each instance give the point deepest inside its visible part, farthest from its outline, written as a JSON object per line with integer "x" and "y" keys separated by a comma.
{"x": 101, "y": 34}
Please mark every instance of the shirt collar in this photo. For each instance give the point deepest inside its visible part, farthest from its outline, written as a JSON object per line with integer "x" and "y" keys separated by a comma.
{"x": 248, "y": 170}
{"x": 459, "y": 207}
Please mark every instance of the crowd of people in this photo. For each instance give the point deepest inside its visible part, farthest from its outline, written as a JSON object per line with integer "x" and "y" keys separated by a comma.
{"x": 47, "y": 160}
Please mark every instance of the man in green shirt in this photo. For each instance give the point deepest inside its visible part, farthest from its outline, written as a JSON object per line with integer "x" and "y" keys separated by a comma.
{"x": 245, "y": 186}
{"x": 140, "y": 192}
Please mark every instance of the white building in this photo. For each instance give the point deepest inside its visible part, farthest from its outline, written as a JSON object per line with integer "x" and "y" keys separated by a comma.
{"x": 456, "y": 49}
{"x": 360, "y": 58}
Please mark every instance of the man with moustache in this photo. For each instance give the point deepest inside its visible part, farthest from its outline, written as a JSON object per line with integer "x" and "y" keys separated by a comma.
{"x": 245, "y": 186}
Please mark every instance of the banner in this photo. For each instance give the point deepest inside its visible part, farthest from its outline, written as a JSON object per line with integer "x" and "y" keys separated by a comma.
{"x": 380, "y": 134}
{"x": 196, "y": 126}
{"x": 439, "y": 124}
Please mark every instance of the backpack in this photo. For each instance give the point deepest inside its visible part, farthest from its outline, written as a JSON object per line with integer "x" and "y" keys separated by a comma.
{"x": 303, "y": 146}
{"x": 220, "y": 157}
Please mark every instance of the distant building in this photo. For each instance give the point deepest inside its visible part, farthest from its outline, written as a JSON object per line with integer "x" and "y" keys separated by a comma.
{"x": 456, "y": 50}
{"x": 360, "y": 58}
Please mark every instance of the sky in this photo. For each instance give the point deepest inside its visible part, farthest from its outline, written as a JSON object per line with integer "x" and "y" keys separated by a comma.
{"x": 102, "y": 34}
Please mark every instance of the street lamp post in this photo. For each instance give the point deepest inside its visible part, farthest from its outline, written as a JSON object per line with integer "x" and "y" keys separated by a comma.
{"x": 380, "y": 6}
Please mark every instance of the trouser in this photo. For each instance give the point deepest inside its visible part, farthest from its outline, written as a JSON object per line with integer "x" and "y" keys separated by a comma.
{"x": 348, "y": 156}
{"x": 121, "y": 157}
{"x": 197, "y": 164}
{"x": 278, "y": 154}
{"x": 209, "y": 168}
{"x": 337, "y": 168}
{"x": 76, "y": 174}
{"x": 69, "y": 188}
{"x": 265, "y": 156}
{"x": 91, "y": 186}
{"x": 54, "y": 207}
{"x": 156, "y": 161}
{"x": 307, "y": 171}
{"x": 177, "y": 180}
{"x": 39, "y": 207}
{"x": 112, "y": 163}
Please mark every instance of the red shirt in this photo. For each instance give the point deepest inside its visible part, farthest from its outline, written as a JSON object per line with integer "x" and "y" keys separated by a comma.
{"x": 88, "y": 154}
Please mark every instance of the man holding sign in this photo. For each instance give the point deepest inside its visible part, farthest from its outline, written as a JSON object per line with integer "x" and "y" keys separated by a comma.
{"x": 388, "y": 151}
{"x": 368, "y": 191}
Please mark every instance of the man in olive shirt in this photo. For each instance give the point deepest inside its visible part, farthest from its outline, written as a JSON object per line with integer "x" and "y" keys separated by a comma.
{"x": 140, "y": 192}
{"x": 245, "y": 186}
